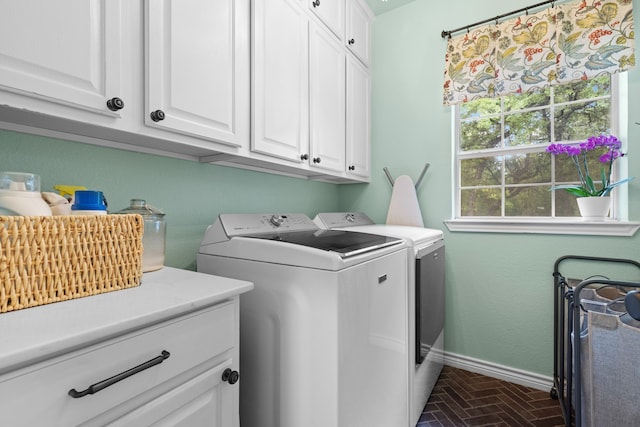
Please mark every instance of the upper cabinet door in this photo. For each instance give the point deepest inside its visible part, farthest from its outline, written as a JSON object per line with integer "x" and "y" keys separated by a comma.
{"x": 331, "y": 13}
{"x": 359, "y": 18}
{"x": 64, "y": 52}
{"x": 358, "y": 119}
{"x": 280, "y": 87}
{"x": 197, "y": 54}
{"x": 327, "y": 103}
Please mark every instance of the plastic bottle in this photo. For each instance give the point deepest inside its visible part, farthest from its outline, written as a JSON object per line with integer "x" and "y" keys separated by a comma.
{"x": 88, "y": 202}
{"x": 20, "y": 195}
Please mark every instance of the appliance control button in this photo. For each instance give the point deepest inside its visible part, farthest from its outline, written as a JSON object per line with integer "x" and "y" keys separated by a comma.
{"x": 276, "y": 220}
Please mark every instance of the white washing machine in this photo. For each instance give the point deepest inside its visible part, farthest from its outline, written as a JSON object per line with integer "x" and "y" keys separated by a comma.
{"x": 323, "y": 334}
{"x": 425, "y": 302}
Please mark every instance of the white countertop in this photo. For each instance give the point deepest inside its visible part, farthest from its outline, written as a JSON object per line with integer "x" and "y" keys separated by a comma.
{"x": 34, "y": 334}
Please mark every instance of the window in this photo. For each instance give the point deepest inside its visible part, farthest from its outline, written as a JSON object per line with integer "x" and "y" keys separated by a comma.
{"x": 502, "y": 168}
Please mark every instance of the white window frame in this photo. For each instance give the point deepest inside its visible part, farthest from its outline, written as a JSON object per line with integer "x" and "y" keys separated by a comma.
{"x": 619, "y": 226}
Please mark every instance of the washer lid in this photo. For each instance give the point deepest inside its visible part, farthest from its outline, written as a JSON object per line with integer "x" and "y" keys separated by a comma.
{"x": 344, "y": 243}
{"x": 358, "y": 221}
{"x": 414, "y": 236}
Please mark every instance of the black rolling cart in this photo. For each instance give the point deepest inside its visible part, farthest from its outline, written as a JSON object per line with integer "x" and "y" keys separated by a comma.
{"x": 571, "y": 333}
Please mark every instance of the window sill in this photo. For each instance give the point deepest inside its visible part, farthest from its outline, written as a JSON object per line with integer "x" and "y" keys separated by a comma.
{"x": 574, "y": 226}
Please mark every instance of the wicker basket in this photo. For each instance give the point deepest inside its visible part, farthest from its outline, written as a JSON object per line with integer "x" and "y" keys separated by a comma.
{"x": 50, "y": 259}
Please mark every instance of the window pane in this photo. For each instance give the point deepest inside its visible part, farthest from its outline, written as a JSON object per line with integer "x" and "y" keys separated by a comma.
{"x": 599, "y": 86}
{"x": 528, "y": 201}
{"x": 566, "y": 204}
{"x": 481, "y": 202}
{"x": 527, "y": 128}
{"x": 480, "y": 134}
{"x": 482, "y": 171}
{"x": 480, "y": 108}
{"x": 528, "y": 168}
{"x": 527, "y": 100}
{"x": 566, "y": 170}
{"x": 580, "y": 120}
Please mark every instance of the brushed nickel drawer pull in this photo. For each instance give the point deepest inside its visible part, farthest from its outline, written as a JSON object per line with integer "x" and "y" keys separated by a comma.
{"x": 122, "y": 375}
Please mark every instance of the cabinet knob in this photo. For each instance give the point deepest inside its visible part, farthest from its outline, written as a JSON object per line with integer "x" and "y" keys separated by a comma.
{"x": 230, "y": 376}
{"x": 115, "y": 104}
{"x": 316, "y": 160}
{"x": 352, "y": 41}
{"x": 304, "y": 157}
{"x": 352, "y": 168}
{"x": 316, "y": 3}
{"x": 157, "y": 115}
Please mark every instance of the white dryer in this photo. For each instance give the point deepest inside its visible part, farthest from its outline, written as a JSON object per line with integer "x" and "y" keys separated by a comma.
{"x": 425, "y": 297}
{"x": 323, "y": 334}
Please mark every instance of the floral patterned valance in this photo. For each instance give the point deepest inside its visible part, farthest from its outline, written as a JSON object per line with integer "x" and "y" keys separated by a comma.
{"x": 561, "y": 44}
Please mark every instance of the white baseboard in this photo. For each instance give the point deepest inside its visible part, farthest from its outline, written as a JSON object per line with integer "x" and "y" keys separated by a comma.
{"x": 493, "y": 370}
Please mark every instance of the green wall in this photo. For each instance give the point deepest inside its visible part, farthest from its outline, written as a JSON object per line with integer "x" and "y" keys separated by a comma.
{"x": 191, "y": 194}
{"x": 499, "y": 286}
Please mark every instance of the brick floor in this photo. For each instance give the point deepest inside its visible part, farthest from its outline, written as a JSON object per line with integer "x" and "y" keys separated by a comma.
{"x": 464, "y": 399}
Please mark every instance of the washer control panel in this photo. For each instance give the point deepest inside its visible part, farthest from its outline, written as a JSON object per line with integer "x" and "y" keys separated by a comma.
{"x": 331, "y": 220}
{"x": 247, "y": 224}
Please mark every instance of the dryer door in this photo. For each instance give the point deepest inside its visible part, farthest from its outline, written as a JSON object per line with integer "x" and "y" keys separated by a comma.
{"x": 429, "y": 298}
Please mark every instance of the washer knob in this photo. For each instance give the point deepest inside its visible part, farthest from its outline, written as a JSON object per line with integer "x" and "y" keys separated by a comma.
{"x": 276, "y": 220}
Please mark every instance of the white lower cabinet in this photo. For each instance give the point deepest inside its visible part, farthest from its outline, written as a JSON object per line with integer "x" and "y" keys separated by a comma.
{"x": 180, "y": 372}
{"x": 201, "y": 401}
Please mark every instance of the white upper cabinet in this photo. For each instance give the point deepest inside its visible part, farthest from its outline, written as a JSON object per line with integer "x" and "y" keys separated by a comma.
{"x": 358, "y": 119}
{"x": 62, "y": 52}
{"x": 280, "y": 80}
{"x": 331, "y": 13}
{"x": 262, "y": 84}
{"x": 358, "y": 38}
{"x": 197, "y": 68}
{"x": 299, "y": 91}
{"x": 327, "y": 103}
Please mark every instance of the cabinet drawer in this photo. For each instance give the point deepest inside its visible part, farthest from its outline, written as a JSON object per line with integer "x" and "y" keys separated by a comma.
{"x": 201, "y": 401}
{"x": 40, "y": 392}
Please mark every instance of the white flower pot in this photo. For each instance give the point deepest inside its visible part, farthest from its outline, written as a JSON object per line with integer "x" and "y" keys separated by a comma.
{"x": 594, "y": 208}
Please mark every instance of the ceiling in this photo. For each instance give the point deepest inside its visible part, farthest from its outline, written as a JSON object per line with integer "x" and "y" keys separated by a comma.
{"x": 382, "y": 6}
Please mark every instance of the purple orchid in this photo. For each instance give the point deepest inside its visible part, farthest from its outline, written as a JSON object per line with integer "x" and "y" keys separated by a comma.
{"x": 578, "y": 154}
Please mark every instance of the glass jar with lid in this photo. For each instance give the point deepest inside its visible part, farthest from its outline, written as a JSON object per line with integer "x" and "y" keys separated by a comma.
{"x": 155, "y": 230}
